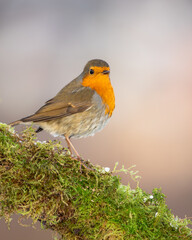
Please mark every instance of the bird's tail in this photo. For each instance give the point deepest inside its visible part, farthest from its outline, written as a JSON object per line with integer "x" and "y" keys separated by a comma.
{"x": 15, "y": 123}
{"x": 20, "y": 122}
{"x": 25, "y": 120}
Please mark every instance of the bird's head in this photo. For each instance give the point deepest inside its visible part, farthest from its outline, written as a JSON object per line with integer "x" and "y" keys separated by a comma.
{"x": 96, "y": 76}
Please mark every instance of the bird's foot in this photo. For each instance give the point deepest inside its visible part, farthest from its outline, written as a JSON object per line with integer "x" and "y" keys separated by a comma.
{"x": 82, "y": 163}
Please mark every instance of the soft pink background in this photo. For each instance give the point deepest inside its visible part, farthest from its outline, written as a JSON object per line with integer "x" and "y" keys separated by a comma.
{"x": 148, "y": 44}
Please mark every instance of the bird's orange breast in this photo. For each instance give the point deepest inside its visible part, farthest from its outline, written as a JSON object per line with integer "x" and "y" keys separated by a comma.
{"x": 102, "y": 85}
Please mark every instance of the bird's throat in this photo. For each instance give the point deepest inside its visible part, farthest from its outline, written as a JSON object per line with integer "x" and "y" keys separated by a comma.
{"x": 102, "y": 85}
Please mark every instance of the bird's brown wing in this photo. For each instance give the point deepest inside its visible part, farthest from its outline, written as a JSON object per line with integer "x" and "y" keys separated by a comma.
{"x": 54, "y": 111}
{"x": 64, "y": 106}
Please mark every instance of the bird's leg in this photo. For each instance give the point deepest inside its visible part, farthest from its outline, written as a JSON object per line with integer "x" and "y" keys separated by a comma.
{"x": 70, "y": 145}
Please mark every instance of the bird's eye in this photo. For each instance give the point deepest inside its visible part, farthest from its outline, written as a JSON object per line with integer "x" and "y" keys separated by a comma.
{"x": 91, "y": 71}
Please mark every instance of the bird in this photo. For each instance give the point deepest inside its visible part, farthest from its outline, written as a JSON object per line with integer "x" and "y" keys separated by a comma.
{"x": 80, "y": 109}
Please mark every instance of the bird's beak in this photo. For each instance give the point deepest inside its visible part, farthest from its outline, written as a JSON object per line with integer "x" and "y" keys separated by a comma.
{"x": 106, "y": 72}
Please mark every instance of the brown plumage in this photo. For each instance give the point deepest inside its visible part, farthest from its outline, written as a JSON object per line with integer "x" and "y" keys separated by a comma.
{"x": 81, "y": 108}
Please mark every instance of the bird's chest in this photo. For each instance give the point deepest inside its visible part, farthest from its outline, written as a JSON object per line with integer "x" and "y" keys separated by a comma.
{"x": 82, "y": 124}
{"x": 91, "y": 121}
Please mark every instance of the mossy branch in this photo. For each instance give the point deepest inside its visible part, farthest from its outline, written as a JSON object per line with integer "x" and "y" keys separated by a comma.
{"x": 43, "y": 182}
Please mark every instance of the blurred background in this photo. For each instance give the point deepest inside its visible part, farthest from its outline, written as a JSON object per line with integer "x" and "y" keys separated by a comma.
{"x": 44, "y": 44}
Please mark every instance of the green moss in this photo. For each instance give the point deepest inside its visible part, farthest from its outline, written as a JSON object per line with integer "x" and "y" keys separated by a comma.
{"x": 43, "y": 182}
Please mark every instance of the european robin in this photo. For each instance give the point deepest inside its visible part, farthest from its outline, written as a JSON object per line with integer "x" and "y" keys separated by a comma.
{"x": 81, "y": 108}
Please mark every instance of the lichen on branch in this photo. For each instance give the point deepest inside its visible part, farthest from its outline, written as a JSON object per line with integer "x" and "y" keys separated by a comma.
{"x": 77, "y": 201}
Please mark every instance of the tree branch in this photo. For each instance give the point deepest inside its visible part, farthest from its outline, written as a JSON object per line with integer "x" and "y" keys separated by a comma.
{"x": 78, "y": 201}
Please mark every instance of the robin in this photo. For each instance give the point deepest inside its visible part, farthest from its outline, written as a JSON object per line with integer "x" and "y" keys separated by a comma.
{"x": 81, "y": 108}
